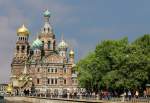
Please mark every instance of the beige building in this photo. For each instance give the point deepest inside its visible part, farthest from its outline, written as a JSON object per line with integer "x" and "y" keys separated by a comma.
{"x": 43, "y": 63}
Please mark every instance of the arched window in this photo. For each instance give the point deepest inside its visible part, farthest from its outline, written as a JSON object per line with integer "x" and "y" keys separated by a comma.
{"x": 52, "y": 81}
{"x": 55, "y": 70}
{"x": 22, "y": 48}
{"x": 38, "y": 81}
{"x": 55, "y": 80}
{"x": 17, "y": 48}
{"x": 48, "y": 81}
{"x": 38, "y": 70}
{"x": 49, "y": 44}
{"x": 43, "y": 43}
{"x": 64, "y": 81}
{"x": 52, "y": 70}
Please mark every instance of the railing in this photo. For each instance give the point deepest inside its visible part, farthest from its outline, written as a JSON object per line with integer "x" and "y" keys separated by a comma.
{"x": 79, "y": 97}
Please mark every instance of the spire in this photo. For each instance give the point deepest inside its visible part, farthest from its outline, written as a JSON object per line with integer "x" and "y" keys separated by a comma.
{"x": 62, "y": 37}
{"x": 25, "y": 69}
{"x": 47, "y": 28}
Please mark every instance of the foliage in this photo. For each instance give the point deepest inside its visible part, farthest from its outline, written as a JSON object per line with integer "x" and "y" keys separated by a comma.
{"x": 116, "y": 64}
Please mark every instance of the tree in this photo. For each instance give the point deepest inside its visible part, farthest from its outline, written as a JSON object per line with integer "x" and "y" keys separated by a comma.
{"x": 116, "y": 64}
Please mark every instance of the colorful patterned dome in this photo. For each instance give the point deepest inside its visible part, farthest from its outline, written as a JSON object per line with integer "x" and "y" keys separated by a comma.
{"x": 47, "y": 13}
{"x": 36, "y": 44}
{"x": 23, "y": 31}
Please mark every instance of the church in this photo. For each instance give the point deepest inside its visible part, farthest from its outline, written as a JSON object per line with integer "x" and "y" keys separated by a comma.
{"x": 43, "y": 63}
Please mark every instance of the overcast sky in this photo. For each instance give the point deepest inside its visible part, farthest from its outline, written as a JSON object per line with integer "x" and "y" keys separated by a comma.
{"x": 84, "y": 23}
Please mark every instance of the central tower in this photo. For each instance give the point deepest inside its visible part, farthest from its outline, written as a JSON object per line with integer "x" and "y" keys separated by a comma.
{"x": 46, "y": 35}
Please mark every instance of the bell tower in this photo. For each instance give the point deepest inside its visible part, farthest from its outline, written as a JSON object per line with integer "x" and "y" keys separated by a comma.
{"x": 21, "y": 51}
{"x": 22, "y": 44}
{"x": 46, "y": 35}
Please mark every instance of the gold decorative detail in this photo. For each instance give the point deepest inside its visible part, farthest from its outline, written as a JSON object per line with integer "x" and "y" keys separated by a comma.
{"x": 9, "y": 88}
{"x": 23, "y": 31}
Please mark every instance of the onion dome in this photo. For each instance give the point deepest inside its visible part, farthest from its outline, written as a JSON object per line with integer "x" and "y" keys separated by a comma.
{"x": 22, "y": 31}
{"x": 62, "y": 45}
{"x": 9, "y": 88}
{"x": 71, "y": 53}
{"x": 36, "y": 44}
{"x": 47, "y": 13}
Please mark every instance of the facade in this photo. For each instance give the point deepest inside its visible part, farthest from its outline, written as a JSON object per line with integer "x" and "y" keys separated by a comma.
{"x": 43, "y": 63}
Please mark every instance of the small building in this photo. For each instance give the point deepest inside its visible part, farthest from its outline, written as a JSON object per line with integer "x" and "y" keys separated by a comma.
{"x": 3, "y": 88}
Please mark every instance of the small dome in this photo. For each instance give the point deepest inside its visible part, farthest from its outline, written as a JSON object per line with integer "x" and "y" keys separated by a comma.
{"x": 47, "y": 13}
{"x": 36, "y": 44}
{"x": 71, "y": 53}
{"x": 62, "y": 45}
{"x": 22, "y": 31}
{"x": 9, "y": 88}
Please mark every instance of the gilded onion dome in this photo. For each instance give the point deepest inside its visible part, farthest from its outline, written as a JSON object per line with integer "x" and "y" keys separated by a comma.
{"x": 62, "y": 45}
{"x": 36, "y": 44}
{"x": 71, "y": 53}
{"x": 23, "y": 31}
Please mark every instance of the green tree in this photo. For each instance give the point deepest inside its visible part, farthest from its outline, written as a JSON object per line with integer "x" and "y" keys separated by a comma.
{"x": 116, "y": 64}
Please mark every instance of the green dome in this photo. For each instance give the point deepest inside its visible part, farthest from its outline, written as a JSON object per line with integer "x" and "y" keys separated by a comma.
{"x": 47, "y": 13}
{"x": 36, "y": 44}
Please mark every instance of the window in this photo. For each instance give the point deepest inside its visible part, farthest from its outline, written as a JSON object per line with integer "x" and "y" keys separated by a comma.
{"x": 38, "y": 70}
{"x": 48, "y": 81}
{"x": 65, "y": 70}
{"x": 49, "y": 43}
{"x": 22, "y": 48}
{"x": 52, "y": 70}
{"x": 64, "y": 81}
{"x": 55, "y": 70}
{"x": 38, "y": 80}
{"x": 48, "y": 69}
{"x": 17, "y": 48}
{"x": 52, "y": 81}
{"x": 55, "y": 80}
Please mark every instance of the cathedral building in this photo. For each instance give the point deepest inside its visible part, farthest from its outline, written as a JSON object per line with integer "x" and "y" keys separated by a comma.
{"x": 43, "y": 63}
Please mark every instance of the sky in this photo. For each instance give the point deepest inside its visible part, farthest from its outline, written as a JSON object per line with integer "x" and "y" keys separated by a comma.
{"x": 84, "y": 23}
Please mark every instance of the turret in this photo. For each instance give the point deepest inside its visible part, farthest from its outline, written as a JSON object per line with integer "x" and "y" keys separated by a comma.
{"x": 22, "y": 45}
{"x": 71, "y": 56}
{"x": 62, "y": 47}
{"x": 46, "y": 35}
